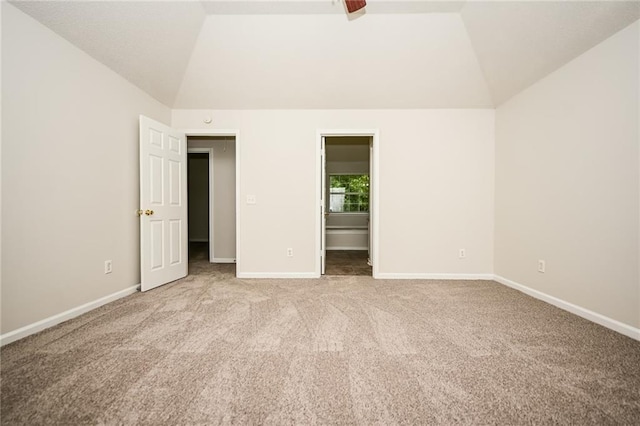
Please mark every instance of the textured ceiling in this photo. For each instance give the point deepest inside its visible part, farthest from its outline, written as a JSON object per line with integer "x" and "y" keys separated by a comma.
{"x": 248, "y": 54}
{"x": 517, "y": 43}
{"x": 148, "y": 43}
{"x": 324, "y": 62}
{"x": 320, "y": 7}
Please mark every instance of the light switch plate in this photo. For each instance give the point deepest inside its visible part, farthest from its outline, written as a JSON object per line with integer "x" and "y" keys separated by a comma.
{"x": 251, "y": 199}
{"x": 542, "y": 266}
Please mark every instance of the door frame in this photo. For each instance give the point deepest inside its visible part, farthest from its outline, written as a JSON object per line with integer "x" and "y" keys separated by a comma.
{"x": 208, "y": 151}
{"x": 374, "y": 207}
{"x": 234, "y": 133}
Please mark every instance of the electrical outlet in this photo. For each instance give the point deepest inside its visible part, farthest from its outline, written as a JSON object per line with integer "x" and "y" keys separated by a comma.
{"x": 462, "y": 254}
{"x": 108, "y": 267}
{"x": 541, "y": 266}
{"x": 289, "y": 252}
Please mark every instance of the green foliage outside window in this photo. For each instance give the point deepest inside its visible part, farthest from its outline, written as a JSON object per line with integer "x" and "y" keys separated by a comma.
{"x": 349, "y": 193}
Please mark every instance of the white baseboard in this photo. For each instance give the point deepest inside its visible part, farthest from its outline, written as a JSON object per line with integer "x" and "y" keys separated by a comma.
{"x": 277, "y": 275}
{"x": 427, "y": 276}
{"x": 223, "y": 260}
{"x": 30, "y": 329}
{"x": 604, "y": 321}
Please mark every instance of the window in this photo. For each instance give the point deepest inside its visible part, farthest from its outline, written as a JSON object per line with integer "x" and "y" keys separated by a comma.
{"x": 349, "y": 193}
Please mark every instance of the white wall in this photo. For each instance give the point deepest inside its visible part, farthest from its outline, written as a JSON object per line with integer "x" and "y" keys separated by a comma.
{"x": 567, "y": 182}
{"x": 345, "y": 167}
{"x": 69, "y": 174}
{"x": 436, "y": 186}
{"x": 356, "y": 220}
{"x": 224, "y": 193}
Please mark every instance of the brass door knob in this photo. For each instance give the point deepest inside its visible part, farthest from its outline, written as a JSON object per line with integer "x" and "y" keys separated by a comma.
{"x": 148, "y": 212}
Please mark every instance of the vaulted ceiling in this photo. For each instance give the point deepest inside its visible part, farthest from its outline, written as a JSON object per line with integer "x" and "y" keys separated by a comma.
{"x": 309, "y": 54}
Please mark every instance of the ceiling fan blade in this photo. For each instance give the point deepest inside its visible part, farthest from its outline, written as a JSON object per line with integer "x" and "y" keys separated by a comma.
{"x": 355, "y": 5}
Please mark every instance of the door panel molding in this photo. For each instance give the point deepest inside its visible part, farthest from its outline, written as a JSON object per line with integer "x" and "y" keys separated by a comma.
{"x": 163, "y": 192}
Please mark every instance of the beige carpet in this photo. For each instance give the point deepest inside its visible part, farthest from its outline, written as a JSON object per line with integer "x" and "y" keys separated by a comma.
{"x": 212, "y": 349}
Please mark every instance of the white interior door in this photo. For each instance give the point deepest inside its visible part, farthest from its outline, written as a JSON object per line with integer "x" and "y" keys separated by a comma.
{"x": 163, "y": 204}
{"x": 323, "y": 208}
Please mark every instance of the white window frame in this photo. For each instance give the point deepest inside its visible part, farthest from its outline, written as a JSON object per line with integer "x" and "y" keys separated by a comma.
{"x": 350, "y": 193}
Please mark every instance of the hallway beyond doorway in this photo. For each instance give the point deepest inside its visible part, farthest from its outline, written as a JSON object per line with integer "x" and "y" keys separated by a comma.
{"x": 347, "y": 262}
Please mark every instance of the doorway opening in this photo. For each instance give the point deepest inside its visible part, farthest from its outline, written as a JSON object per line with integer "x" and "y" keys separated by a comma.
{"x": 199, "y": 203}
{"x": 211, "y": 182}
{"x": 348, "y": 210}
